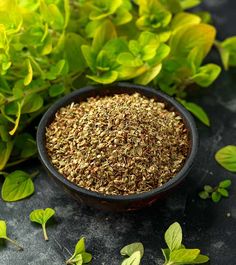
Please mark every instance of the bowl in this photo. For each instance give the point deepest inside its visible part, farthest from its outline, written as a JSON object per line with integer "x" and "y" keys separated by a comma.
{"x": 117, "y": 202}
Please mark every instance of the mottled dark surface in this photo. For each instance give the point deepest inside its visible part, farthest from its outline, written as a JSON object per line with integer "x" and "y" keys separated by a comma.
{"x": 209, "y": 226}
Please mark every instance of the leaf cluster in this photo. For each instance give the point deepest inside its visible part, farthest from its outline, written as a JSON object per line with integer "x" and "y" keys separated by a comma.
{"x": 176, "y": 253}
{"x": 216, "y": 193}
{"x": 47, "y": 46}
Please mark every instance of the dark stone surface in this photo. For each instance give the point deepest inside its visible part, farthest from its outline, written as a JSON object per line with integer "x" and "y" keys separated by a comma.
{"x": 206, "y": 225}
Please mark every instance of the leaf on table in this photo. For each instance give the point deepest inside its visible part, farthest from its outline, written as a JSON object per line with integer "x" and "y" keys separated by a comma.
{"x": 17, "y": 186}
{"x": 184, "y": 256}
{"x": 131, "y": 248}
{"x": 226, "y": 157}
{"x": 173, "y": 236}
{"x": 134, "y": 259}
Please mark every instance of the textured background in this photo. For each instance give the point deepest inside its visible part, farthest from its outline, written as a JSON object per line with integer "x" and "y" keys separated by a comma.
{"x": 209, "y": 226}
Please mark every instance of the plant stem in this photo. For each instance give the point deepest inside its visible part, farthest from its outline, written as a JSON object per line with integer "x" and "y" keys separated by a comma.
{"x": 45, "y": 232}
{"x": 34, "y": 174}
{"x": 14, "y": 243}
{"x": 16, "y": 162}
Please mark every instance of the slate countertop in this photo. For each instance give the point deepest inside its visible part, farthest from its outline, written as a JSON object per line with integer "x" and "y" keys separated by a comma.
{"x": 208, "y": 226}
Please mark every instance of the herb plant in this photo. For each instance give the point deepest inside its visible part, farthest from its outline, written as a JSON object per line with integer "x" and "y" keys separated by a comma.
{"x": 3, "y": 234}
{"x": 134, "y": 252}
{"x": 41, "y": 216}
{"x": 49, "y": 48}
{"x": 80, "y": 255}
{"x": 226, "y": 157}
{"x": 216, "y": 193}
{"x": 176, "y": 253}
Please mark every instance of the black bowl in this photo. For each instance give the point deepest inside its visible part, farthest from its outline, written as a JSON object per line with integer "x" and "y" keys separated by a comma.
{"x": 117, "y": 202}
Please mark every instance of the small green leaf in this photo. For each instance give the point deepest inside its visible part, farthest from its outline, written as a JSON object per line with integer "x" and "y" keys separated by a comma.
{"x": 216, "y": 196}
{"x": 166, "y": 253}
{"x": 106, "y": 78}
{"x": 186, "y": 4}
{"x": 56, "y": 90}
{"x": 134, "y": 259}
{"x": 208, "y": 188}
{"x": 182, "y": 19}
{"x": 87, "y": 257}
{"x": 200, "y": 259}
{"x": 29, "y": 75}
{"x": 196, "y": 110}
{"x": 206, "y": 75}
{"x": 17, "y": 185}
{"x": 3, "y": 234}
{"x": 184, "y": 256}
{"x": 5, "y": 152}
{"x": 226, "y": 157}
{"x": 223, "y": 192}
{"x": 173, "y": 236}
{"x": 25, "y": 145}
{"x": 225, "y": 183}
{"x": 32, "y": 103}
{"x": 130, "y": 249}
{"x": 204, "y": 195}
{"x": 41, "y": 216}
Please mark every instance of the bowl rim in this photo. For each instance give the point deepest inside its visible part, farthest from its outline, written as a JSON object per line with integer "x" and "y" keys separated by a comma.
{"x": 189, "y": 121}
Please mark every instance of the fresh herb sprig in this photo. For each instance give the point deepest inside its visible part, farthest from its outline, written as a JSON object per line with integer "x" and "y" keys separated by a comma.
{"x": 41, "y": 216}
{"x": 176, "y": 253}
{"x": 80, "y": 255}
{"x": 216, "y": 193}
{"x": 134, "y": 252}
{"x": 3, "y": 234}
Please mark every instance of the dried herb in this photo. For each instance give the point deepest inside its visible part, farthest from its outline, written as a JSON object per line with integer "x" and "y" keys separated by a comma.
{"x": 41, "y": 216}
{"x": 176, "y": 253}
{"x": 3, "y": 234}
{"x": 216, "y": 193}
{"x": 122, "y": 144}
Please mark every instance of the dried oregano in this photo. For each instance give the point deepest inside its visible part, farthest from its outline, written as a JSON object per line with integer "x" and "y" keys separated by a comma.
{"x": 121, "y": 144}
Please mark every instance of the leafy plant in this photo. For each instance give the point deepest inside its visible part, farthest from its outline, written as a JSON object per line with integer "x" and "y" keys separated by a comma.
{"x": 226, "y": 157}
{"x": 176, "y": 253}
{"x": 49, "y": 48}
{"x": 80, "y": 255}
{"x": 3, "y": 234}
{"x": 134, "y": 252}
{"x": 17, "y": 186}
{"x": 41, "y": 216}
{"x": 217, "y": 192}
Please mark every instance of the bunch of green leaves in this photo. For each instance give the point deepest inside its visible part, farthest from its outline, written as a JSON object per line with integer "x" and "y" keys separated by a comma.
{"x": 176, "y": 253}
{"x": 134, "y": 253}
{"x": 80, "y": 255}
{"x": 216, "y": 193}
{"x": 3, "y": 234}
{"x": 226, "y": 157}
{"x": 42, "y": 216}
{"x": 49, "y": 48}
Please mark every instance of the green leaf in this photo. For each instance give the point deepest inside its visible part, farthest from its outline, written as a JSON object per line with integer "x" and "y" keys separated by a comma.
{"x": 56, "y": 70}
{"x": 73, "y": 53}
{"x": 208, "y": 188}
{"x": 196, "y": 111}
{"x": 148, "y": 76}
{"x": 186, "y": 4}
{"x": 106, "y": 78}
{"x": 17, "y": 186}
{"x": 5, "y": 152}
{"x": 216, "y": 196}
{"x": 226, "y": 157}
{"x": 127, "y": 59}
{"x": 18, "y": 114}
{"x": 184, "y": 256}
{"x": 26, "y": 145}
{"x": 80, "y": 255}
{"x": 41, "y": 216}
{"x": 173, "y": 236}
{"x": 206, "y": 75}
{"x": 3, "y": 234}
{"x": 130, "y": 249}
{"x": 32, "y": 103}
{"x": 225, "y": 183}
{"x": 166, "y": 253}
{"x": 29, "y": 75}
{"x": 183, "y": 19}
{"x": 203, "y": 195}
{"x": 223, "y": 192}
{"x": 56, "y": 90}
{"x": 200, "y": 259}
{"x": 134, "y": 259}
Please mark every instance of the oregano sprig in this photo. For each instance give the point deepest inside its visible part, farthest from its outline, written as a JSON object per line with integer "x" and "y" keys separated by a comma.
{"x": 3, "y": 234}
{"x": 134, "y": 253}
{"x": 176, "y": 253}
{"x": 217, "y": 192}
{"x": 80, "y": 255}
{"x": 41, "y": 216}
